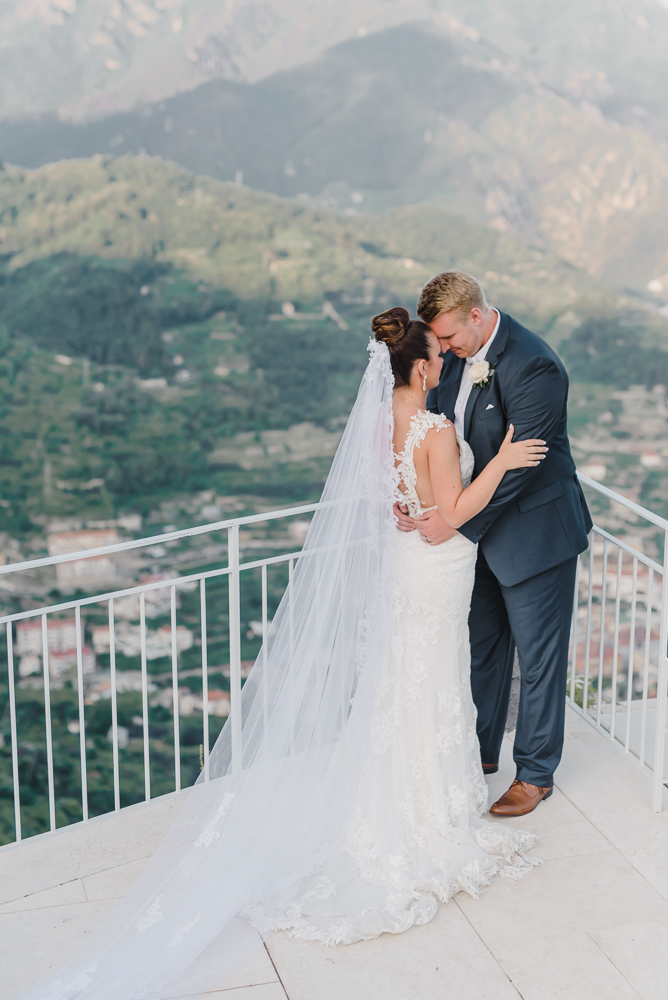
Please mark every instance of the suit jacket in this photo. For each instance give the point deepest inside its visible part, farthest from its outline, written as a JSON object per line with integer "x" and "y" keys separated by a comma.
{"x": 538, "y": 517}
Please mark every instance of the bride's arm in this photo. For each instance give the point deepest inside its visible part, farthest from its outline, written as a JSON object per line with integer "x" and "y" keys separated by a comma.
{"x": 456, "y": 504}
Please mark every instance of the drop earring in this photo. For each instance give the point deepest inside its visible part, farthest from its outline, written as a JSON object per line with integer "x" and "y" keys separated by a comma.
{"x": 424, "y": 383}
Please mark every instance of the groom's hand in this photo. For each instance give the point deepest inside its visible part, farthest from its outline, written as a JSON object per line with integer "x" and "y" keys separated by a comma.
{"x": 404, "y": 522}
{"x": 433, "y": 529}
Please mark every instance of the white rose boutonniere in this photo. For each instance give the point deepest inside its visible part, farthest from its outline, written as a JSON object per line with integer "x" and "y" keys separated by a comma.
{"x": 480, "y": 373}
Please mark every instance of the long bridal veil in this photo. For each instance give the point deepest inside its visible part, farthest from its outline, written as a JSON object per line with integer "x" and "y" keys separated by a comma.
{"x": 284, "y": 772}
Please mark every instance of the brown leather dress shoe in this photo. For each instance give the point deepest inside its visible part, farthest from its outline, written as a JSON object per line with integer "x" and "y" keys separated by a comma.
{"x": 490, "y": 768}
{"x": 520, "y": 799}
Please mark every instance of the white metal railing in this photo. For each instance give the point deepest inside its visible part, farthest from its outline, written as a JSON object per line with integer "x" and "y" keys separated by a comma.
{"x": 46, "y": 616}
{"x": 618, "y": 679}
{"x": 623, "y": 695}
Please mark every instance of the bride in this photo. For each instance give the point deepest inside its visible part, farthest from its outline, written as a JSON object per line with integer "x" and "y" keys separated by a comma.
{"x": 344, "y": 796}
{"x": 415, "y": 836}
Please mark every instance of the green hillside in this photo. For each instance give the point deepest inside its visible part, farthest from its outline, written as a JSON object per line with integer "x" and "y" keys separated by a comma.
{"x": 256, "y": 244}
{"x": 141, "y": 354}
{"x": 84, "y": 435}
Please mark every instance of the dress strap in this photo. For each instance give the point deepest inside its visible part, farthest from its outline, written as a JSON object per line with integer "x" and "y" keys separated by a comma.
{"x": 422, "y": 422}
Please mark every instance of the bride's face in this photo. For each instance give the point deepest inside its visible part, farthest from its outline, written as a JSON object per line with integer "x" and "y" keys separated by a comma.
{"x": 432, "y": 367}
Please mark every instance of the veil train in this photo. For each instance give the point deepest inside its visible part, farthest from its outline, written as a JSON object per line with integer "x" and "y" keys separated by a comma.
{"x": 284, "y": 771}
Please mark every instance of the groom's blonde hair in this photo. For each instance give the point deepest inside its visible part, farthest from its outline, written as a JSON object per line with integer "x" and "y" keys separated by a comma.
{"x": 451, "y": 291}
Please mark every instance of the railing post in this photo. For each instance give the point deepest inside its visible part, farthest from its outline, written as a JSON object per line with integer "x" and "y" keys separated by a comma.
{"x": 630, "y": 670}
{"x": 574, "y": 631}
{"x": 615, "y": 646}
{"x": 114, "y": 707}
{"x": 265, "y": 630}
{"x": 47, "y": 723}
{"x": 205, "y": 676}
{"x": 291, "y": 613}
{"x": 235, "y": 644}
{"x": 590, "y": 594}
{"x": 82, "y": 716}
{"x": 13, "y": 727}
{"x": 144, "y": 698}
{"x": 175, "y": 693}
{"x": 661, "y": 691}
{"x": 645, "y": 674}
{"x": 601, "y": 639}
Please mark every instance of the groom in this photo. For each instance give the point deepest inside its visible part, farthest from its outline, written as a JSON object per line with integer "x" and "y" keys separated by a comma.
{"x": 528, "y": 536}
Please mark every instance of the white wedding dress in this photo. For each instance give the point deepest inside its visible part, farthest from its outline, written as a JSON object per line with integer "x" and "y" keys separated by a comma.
{"x": 343, "y": 797}
{"x": 416, "y": 836}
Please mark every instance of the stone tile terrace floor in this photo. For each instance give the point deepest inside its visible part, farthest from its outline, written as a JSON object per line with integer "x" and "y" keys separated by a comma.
{"x": 592, "y": 922}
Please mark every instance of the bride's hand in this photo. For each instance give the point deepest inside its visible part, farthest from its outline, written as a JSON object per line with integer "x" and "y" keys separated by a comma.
{"x": 521, "y": 454}
{"x": 404, "y": 521}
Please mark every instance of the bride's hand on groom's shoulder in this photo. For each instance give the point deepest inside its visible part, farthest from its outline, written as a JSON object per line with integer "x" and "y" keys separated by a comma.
{"x": 404, "y": 521}
{"x": 434, "y": 529}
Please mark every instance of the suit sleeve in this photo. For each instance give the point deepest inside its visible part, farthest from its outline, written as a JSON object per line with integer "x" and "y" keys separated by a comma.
{"x": 534, "y": 405}
{"x": 432, "y": 400}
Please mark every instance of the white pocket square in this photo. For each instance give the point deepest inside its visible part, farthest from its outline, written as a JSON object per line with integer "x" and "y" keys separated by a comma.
{"x": 490, "y": 406}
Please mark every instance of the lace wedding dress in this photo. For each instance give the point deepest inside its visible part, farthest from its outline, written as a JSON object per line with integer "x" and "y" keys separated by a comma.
{"x": 343, "y": 795}
{"x": 416, "y": 836}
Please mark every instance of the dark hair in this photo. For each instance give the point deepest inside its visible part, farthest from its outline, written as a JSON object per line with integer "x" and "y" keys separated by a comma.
{"x": 406, "y": 338}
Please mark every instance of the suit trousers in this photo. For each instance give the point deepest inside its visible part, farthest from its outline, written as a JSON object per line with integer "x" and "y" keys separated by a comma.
{"x": 535, "y": 617}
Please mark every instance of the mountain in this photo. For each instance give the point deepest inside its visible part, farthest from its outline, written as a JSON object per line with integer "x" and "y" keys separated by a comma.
{"x": 407, "y": 116}
{"x": 256, "y": 244}
{"x": 82, "y": 59}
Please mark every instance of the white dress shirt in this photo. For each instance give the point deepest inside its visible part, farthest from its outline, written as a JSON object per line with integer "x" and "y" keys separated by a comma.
{"x": 466, "y": 384}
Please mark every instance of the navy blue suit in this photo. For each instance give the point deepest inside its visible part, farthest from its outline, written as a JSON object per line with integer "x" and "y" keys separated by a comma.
{"x": 529, "y": 538}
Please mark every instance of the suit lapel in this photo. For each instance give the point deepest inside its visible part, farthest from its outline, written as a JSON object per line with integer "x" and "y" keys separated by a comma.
{"x": 493, "y": 354}
{"x": 448, "y": 389}
{"x": 468, "y": 412}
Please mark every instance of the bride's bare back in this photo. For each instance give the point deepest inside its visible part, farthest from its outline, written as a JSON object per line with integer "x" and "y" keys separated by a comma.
{"x": 403, "y": 423}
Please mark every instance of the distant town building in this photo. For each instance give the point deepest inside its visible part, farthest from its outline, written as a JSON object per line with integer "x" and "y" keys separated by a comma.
{"x": 127, "y": 640}
{"x": 84, "y": 573}
{"x": 131, "y": 522}
{"x": 218, "y": 701}
{"x": 156, "y": 602}
{"x": 61, "y": 635}
{"x": 60, "y": 662}
{"x": 62, "y": 645}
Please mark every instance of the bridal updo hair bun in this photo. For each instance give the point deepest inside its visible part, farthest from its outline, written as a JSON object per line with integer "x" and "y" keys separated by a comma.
{"x": 390, "y": 326}
{"x": 407, "y": 340}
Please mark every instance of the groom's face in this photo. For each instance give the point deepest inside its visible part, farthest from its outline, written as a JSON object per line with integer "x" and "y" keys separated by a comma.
{"x": 459, "y": 333}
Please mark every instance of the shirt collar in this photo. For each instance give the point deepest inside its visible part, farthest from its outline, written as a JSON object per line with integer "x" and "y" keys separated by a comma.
{"x": 482, "y": 353}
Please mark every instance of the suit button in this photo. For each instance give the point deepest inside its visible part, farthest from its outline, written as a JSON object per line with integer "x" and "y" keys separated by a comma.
{"x": 484, "y": 528}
